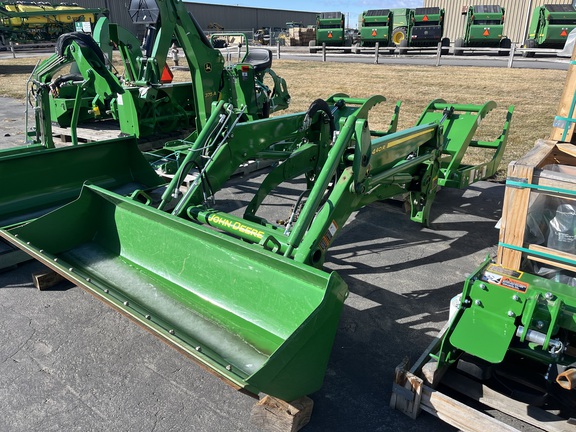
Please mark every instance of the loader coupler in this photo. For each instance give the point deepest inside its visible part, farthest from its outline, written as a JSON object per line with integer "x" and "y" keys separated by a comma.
{"x": 35, "y": 182}
{"x": 260, "y": 321}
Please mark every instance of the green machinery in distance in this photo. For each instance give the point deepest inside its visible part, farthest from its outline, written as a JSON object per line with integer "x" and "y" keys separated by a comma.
{"x": 401, "y": 24}
{"x": 550, "y": 26}
{"x": 331, "y": 30}
{"x": 23, "y": 22}
{"x": 484, "y": 28}
{"x": 242, "y": 292}
{"x": 376, "y": 27}
{"x": 420, "y": 27}
{"x": 77, "y": 85}
{"x": 427, "y": 28}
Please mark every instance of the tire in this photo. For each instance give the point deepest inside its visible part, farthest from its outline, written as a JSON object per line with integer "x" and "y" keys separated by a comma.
{"x": 403, "y": 44}
{"x": 445, "y": 46}
{"x": 530, "y": 43}
{"x": 505, "y": 44}
{"x": 458, "y": 43}
{"x": 399, "y": 34}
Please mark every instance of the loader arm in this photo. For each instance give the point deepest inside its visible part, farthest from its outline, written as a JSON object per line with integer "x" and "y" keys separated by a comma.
{"x": 353, "y": 171}
{"x": 243, "y": 296}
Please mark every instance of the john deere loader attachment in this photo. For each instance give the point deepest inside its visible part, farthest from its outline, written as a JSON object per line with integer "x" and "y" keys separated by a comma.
{"x": 244, "y": 296}
{"x": 261, "y": 321}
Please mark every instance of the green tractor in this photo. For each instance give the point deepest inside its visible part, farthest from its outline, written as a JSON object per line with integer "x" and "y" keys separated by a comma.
{"x": 550, "y": 26}
{"x": 484, "y": 28}
{"x": 78, "y": 85}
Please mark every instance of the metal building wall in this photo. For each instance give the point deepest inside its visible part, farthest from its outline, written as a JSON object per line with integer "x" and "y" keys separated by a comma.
{"x": 230, "y": 17}
{"x": 517, "y": 18}
{"x": 118, "y": 13}
{"x": 246, "y": 18}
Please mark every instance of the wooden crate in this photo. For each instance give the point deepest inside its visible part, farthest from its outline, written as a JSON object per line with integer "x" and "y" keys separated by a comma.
{"x": 547, "y": 171}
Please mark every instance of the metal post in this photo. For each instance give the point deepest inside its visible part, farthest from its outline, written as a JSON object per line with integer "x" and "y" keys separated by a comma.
{"x": 438, "y": 53}
{"x": 323, "y": 51}
{"x": 278, "y": 49}
{"x": 511, "y": 57}
{"x": 12, "y": 49}
{"x": 376, "y": 52}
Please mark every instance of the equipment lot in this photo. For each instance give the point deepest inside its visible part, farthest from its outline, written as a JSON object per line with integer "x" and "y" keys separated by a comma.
{"x": 70, "y": 363}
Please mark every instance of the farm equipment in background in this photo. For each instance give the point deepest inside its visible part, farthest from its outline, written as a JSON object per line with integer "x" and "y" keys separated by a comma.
{"x": 262, "y": 36}
{"x": 376, "y": 26}
{"x": 420, "y": 27}
{"x": 144, "y": 101}
{"x": 427, "y": 28}
{"x": 484, "y": 28}
{"x": 331, "y": 30}
{"x": 41, "y": 22}
{"x": 401, "y": 21}
{"x": 550, "y": 26}
{"x": 242, "y": 295}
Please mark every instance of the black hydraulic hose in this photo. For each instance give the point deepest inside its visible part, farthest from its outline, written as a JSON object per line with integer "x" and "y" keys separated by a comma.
{"x": 82, "y": 39}
{"x": 65, "y": 78}
{"x": 320, "y": 105}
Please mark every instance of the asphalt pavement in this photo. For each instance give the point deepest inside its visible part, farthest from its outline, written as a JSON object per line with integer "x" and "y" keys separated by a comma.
{"x": 70, "y": 363}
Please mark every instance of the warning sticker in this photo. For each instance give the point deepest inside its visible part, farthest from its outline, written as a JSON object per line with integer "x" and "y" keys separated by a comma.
{"x": 507, "y": 278}
{"x": 514, "y": 284}
{"x": 327, "y": 238}
{"x": 504, "y": 271}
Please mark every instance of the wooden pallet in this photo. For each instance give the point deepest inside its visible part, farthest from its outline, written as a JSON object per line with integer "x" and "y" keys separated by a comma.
{"x": 96, "y": 132}
{"x": 416, "y": 389}
{"x": 107, "y": 130}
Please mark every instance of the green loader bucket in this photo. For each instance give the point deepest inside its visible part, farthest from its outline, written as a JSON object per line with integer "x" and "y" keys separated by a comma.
{"x": 35, "y": 182}
{"x": 262, "y": 322}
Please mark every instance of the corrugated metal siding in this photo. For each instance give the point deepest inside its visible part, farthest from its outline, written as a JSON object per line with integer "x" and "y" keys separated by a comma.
{"x": 244, "y": 18}
{"x": 230, "y": 17}
{"x": 517, "y": 18}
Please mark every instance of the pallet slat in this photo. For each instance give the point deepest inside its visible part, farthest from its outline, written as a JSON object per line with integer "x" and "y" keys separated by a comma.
{"x": 485, "y": 395}
{"x": 411, "y": 396}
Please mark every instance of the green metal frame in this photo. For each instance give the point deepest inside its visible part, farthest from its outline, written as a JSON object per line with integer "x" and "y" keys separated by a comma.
{"x": 453, "y": 172}
{"x": 504, "y": 310}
